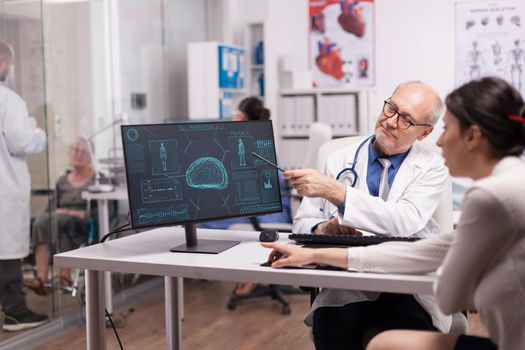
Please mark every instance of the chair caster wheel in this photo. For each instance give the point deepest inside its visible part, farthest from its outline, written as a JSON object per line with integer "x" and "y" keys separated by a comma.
{"x": 286, "y": 310}
{"x": 232, "y": 304}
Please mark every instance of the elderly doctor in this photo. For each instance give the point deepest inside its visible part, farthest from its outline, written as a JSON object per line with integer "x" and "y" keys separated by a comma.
{"x": 388, "y": 185}
{"x": 19, "y": 138}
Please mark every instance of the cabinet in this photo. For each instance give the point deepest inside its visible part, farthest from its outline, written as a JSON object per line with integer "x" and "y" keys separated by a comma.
{"x": 345, "y": 110}
{"x": 216, "y": 79}
{"x": 255, "y": 43}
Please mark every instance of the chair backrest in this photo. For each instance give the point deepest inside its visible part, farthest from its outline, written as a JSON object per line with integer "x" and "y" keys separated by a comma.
{"x": 319, "y": 134}
{"x": 331, "y": 146}
{"x": 443, "y": 213}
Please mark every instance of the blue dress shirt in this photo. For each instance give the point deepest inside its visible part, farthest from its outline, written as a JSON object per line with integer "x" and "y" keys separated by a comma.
{"x": 373, "y": 174}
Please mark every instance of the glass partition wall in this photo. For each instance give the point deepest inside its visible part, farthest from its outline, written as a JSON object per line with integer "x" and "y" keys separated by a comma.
{"x": 83, "y": 67}
{"x": 21, "y": 26}
{"x": 61, "y": 79}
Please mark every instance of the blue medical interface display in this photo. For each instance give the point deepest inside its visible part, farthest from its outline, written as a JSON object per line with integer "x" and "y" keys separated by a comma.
{"x": 190, "y": 172}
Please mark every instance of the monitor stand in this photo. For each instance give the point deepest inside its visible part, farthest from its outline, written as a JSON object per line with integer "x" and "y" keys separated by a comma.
{"x": 201, "y": 246}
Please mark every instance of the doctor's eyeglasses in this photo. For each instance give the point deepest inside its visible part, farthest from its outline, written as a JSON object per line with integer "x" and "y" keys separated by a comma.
{"x": 403, "y": 122}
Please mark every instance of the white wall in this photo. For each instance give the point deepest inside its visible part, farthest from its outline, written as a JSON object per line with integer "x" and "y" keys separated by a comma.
{"x": 185, "y": 22}
{"x": 414, "y": 40}
{"x": 154, "y": 36}
{"x": 141, "y": 61}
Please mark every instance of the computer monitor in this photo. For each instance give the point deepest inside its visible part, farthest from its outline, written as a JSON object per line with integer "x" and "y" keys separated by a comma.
{"x": 186, "y": 173}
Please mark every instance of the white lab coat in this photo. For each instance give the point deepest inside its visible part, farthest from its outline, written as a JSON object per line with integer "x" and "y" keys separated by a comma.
{"x": 412, "y": 200}
{"x": 19, "y": 138}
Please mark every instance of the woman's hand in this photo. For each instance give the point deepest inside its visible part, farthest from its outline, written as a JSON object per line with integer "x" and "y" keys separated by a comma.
{"x": 289, "y": 255}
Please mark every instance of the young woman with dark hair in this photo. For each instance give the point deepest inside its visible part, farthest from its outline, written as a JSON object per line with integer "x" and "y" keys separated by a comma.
{"x": 251, "y": 108}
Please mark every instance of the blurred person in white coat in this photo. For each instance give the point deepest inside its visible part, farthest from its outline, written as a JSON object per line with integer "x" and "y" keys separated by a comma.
{"x": 19, "y": 138}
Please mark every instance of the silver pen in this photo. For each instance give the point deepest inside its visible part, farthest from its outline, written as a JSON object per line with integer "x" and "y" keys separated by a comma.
{"x": 267, "y": 161}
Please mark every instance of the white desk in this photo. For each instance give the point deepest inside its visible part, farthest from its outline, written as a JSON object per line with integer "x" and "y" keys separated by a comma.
{"x": 148, "y": 253}
{"x": 102, "y": 199}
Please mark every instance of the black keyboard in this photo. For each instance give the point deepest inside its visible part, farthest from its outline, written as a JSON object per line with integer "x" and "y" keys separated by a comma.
{"x": 312, "y": 240}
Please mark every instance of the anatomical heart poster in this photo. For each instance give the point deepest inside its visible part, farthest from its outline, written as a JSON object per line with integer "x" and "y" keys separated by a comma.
{"x": 490, "y": 40}
{"x": 342, "y": 42}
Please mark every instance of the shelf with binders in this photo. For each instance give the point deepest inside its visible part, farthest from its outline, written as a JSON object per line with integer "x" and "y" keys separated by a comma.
{"x": 340, "y": 109}
{"x": 344, "y": 110}
{"x": 216, "y": 79}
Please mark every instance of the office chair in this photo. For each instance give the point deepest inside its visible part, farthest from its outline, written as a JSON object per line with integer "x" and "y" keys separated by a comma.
{"x": 320, "y": 133}
{"x": 275, "y": 292}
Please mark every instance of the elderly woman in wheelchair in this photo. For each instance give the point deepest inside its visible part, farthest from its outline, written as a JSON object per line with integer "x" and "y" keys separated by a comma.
{"x": 65, "y": 225}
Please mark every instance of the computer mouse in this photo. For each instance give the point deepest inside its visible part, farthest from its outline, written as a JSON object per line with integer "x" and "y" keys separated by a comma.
{"x": 269, "y": 236}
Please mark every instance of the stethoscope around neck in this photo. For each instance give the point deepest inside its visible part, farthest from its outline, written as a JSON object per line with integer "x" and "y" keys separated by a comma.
{"x": 351, "y": 170}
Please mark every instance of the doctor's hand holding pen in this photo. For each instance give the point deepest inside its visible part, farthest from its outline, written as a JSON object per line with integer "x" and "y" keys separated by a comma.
{"x": 312, "y": 183}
